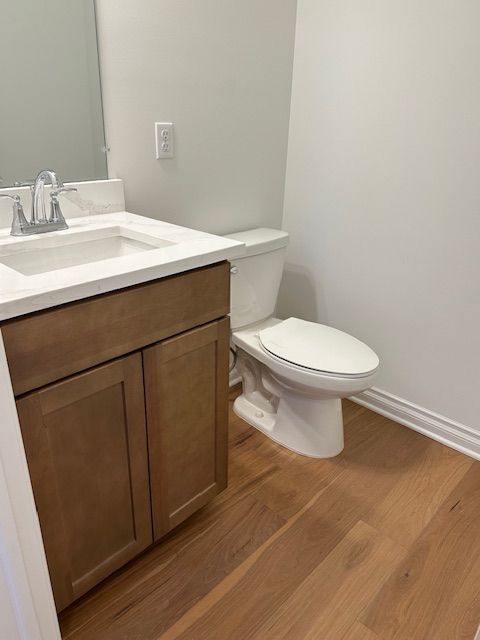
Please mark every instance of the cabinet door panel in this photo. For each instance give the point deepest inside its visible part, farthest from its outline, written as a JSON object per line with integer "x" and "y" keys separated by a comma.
{"x": 186, "y": 385}
{"x": 85, "y": 440}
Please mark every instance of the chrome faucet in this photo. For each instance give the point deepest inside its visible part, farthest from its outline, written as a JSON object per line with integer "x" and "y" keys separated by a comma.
{"x": 39, "y": 223}
{"x": 39, "y": 214}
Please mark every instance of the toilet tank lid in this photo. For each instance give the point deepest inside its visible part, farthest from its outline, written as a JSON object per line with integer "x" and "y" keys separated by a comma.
{"x": 260, "y": 240}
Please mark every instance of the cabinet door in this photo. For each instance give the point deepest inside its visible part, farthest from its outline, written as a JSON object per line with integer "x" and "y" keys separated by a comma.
{"x": 186, "y": 385}
{"x": 85, "y": 440}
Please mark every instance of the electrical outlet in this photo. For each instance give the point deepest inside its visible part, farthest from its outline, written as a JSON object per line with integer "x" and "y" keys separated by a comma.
{"x": 164, "y": 143}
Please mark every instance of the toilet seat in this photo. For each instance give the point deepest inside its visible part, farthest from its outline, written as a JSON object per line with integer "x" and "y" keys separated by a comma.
{"x": 318, "y": 348}
{"x": 249, "y": 340}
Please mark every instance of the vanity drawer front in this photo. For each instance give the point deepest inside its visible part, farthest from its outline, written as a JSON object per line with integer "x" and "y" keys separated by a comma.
{"x": 50, "y": 345}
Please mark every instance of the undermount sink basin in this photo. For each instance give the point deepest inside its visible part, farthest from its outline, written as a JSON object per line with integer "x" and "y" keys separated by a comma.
{"x": 44, "y": 254}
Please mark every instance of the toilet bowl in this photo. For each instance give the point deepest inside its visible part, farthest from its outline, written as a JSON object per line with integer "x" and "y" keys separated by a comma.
{"x": 294, "y": 373}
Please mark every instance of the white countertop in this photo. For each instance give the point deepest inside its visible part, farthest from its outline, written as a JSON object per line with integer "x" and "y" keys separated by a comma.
{"x": 21, "y": 294}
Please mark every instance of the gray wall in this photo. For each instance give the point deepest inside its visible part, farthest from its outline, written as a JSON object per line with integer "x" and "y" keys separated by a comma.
{"x": 383, "y": 190}
{"x": 221, "y": 71}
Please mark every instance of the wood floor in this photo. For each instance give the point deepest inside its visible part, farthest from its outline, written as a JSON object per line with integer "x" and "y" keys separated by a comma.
{"x": 380, "y": 543}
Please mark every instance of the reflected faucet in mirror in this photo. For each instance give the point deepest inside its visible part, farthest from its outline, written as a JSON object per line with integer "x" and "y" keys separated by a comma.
{"x": 39, "y": 223}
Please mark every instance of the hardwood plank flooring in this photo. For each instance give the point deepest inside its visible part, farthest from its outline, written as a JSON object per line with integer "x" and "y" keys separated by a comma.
{"x": 380, "y": 543}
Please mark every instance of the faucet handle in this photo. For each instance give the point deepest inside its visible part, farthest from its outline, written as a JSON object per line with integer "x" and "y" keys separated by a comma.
{"x": 16, "y": 197}
{"x": 19, "y": 222}
{"x": 56, "y": 214}
{"x": 54, "y": 194}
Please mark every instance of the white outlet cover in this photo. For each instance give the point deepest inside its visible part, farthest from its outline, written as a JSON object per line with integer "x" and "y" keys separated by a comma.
{"x": 164, "y": 141}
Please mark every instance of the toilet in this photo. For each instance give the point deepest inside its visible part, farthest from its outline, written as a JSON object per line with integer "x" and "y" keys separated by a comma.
{"x": 294, "y": 372}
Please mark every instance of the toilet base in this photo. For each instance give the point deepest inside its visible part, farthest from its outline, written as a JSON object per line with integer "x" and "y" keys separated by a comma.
{"x": 310, "y": 426}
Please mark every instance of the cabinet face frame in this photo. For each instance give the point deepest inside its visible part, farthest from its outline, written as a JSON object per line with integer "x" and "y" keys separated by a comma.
{"x": 22, "y": 561}
{"x": 119, "y": 383}
{"x": 171, "y": 418}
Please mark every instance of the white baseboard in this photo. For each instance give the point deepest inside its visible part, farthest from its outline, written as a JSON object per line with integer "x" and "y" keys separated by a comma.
{"x": 448, "y": 432}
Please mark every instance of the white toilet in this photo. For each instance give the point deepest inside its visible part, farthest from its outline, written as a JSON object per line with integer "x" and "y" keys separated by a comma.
{"x": 294, "y": 372}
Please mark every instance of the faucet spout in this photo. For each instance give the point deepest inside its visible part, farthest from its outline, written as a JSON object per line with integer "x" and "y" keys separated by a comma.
{"x": 38, "y": 196}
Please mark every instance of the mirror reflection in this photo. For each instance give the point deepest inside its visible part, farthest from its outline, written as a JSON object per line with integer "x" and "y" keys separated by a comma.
{"x": 50, "y": 106}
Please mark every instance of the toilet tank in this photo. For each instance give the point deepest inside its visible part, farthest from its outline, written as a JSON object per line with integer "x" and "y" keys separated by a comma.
{"x": 255, "y": 277}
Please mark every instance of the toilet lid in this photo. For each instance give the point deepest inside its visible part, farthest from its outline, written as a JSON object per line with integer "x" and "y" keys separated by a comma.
{"x": 318, "y": 347}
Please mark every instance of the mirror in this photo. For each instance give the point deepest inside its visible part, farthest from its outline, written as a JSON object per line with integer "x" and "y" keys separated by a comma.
{"x": 50, "y": 99}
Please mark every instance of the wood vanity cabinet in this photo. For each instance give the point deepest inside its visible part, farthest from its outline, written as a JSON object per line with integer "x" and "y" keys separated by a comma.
{"x": 125, "y": 436}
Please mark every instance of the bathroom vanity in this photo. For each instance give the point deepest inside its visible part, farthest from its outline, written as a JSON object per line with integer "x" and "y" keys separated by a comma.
{"x": 121, "y": 396}
{"x": 122, "y": 402}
